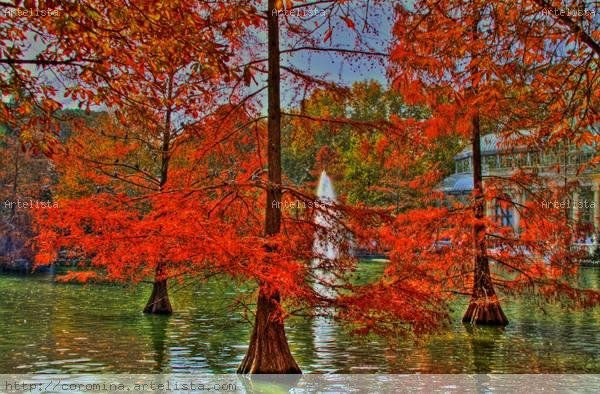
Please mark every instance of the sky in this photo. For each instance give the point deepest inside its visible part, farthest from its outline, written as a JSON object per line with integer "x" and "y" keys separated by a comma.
{"x": 376, "y": 36}
{"x": 325, "y": 66}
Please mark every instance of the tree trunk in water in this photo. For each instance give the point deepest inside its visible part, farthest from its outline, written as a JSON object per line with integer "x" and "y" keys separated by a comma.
{"x": 269, "y": 351}
{"x": 484, "y": 307}
{"x": 159, "y": 299}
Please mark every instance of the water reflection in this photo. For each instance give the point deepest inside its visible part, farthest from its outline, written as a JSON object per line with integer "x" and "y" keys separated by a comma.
{"x": 158, "y": 334}
{"x": 484, "y": 344}
{"x": 48, "y": 327}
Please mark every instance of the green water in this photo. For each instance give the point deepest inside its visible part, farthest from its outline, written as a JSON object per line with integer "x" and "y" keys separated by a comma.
{"x": 46, "y": 327}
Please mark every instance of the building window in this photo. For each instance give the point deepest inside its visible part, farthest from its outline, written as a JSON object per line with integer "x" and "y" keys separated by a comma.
{"x": 573, "y": 159}
{"x": 534, "y": 159}
{"x": 584, "y": 205}
{"x": 463, "y": 165}
{"x": 520, "y": 160}
{"x": 506, "y": 161}
{"x": 584, "y": 158}
{"x": 504, "y": 214}
{"x": 549, "y": 158}
{"x": 490, "y": 162}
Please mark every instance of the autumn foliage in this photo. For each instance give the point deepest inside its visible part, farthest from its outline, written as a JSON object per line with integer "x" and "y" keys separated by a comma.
{"x": 189, "y": 160}
{"x": 518, "y": 70}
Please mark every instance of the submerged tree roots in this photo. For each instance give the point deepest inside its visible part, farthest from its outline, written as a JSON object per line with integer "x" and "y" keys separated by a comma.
{"x": 485, "y": 311}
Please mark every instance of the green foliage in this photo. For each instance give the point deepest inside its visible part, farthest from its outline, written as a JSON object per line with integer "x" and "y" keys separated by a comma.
{"x": 595, "y": 257}
{"x": 348, "y": 150}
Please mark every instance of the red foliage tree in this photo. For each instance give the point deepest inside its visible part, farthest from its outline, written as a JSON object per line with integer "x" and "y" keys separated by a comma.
{"x": 175, "y": 182}
{"x": 159, "y": 67}
{"x": 501, "y": 67}
{"x": 288, "y": 237}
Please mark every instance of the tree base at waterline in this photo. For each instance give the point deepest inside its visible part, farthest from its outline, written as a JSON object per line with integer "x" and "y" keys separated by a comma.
{"x": 485, "y": 312}
{"x": 268, "y": 352}
{"x": 159, "y": 303}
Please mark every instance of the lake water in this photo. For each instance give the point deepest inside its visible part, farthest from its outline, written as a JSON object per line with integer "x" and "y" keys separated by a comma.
{"x": 46, "y": 327}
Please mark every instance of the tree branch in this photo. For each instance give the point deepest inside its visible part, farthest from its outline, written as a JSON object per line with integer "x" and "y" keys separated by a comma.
{"x": 338, "y": 50}
{"x": 43, "y": 62}
{"x": 562, "y": 17}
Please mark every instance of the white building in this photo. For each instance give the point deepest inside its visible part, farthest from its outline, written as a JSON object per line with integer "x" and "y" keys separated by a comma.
{"x": 560, "y": 165}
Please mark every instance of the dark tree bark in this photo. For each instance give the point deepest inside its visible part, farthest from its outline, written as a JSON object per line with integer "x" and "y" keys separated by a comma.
{"x": 159, "y": 299}
{"x": 269, "y": 351}
{"x": 13, "y": 207}
{"x": 484, "y": 307}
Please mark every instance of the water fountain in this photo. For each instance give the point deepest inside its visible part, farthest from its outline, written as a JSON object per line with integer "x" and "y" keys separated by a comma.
{"x": 325, "y": 249}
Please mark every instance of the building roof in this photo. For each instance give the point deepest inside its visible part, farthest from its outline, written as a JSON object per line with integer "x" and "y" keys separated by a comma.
{"x": 494, "y": 143}
{"x": 457, "y": 183}
{"x": 489, "y": 143}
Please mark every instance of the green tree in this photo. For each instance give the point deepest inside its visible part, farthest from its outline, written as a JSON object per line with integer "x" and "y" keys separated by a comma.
{"x": 353, "y": 143}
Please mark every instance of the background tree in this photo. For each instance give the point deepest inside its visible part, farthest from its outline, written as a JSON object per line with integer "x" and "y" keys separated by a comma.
{"x": 26, "y": 178}
{"x": 482, "y": 64}
{"x": 361, "y": 153}
{"x": 159, "y": 77}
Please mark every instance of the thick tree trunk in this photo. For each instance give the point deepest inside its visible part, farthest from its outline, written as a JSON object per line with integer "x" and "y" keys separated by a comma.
{"x": 159, "y": 299}
{"x": 269, "y": 351}
{"x": 484, "y": 307}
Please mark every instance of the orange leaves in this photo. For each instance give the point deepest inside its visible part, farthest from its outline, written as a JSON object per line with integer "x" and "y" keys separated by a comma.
{"x": 45, "y": 258}
{"x": 349, "y": 22}
{"x": 78, "y": 277}
{"x": 510, "y": 66}
{"x": 435, "y": 127}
